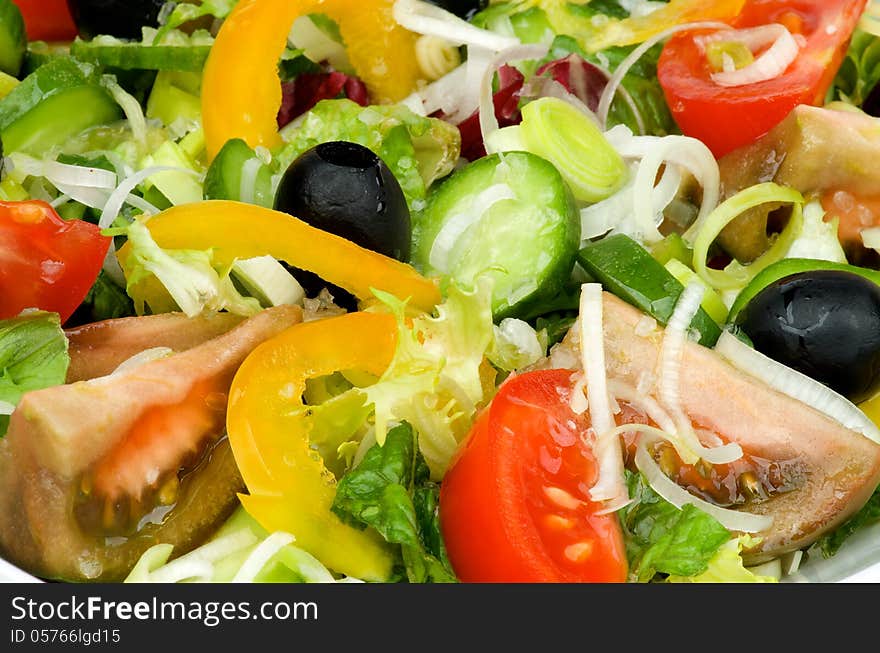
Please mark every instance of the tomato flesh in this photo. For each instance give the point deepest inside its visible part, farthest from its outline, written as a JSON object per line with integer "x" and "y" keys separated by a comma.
{"x": 46, "y": 262}
{"x": 726, "y": 118}
{"x": 47, "y": 20}
{"x": 515, "y": 504}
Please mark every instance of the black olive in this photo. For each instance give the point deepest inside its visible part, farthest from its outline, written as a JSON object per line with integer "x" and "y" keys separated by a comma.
{"x": 346, "y": 189}
{"x": 461, "y": 8}
{"x": 120, "y": 18}
{"x": 823, "y": 323}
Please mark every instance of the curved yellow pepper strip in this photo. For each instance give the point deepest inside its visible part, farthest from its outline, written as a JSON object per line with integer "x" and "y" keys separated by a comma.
{"x": 241, "y": 91}
{"x": 236, "y": 230}
{"x": 636, "y": 29}
{"x": 289, "y": 488}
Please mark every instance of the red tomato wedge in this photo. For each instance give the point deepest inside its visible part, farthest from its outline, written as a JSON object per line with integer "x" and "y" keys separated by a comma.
{"x": 47, "y": 20}
{"x": 726, "y": 118}
{"x": 515, "y": 506}
{"x": 46, "y": 262}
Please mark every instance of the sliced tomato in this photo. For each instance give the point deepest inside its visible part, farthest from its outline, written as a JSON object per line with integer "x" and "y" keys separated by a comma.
{"x": 515, "y": 504}
{"x": 47, "y": 20}
{"x": 726, "y": 118}
{"x": 46, "y": 262}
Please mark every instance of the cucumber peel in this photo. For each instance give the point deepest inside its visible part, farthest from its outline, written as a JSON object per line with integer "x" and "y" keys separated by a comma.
{"x": 789, "y": 266}
{"x": 176, "y": 51}
{"x": 234, "y": 161}
{"x": 13, "y": 39}
{"x": 59, "y": 100}
{"x": 508, "y": 216}
{"x": 627, "y": 270}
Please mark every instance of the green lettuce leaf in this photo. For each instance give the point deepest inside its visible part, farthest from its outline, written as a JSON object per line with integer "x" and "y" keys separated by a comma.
{"x": 104, "y": 301}
{"x": 390, "y": 490}
{"x": 726, "y": 566}
{"x": 33, "y": 355}
{"x": 416, "y": 149}
{"x": 189, "y": 276}
{"x": 859, "y": 72}
{"x": 663, "y": 539}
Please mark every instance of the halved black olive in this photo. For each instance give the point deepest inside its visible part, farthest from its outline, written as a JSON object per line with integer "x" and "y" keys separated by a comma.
{"x": 823, "y": 323}
{"x": 346, "y": 189}
{"x": 120, "y": 18}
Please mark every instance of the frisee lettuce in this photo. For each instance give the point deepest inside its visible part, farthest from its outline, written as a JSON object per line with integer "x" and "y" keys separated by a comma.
{"x": 192, "y": 282}
{"x": 440, "y": 375}
{"x": 443, "y": 370}
{"x": 416, "y": 149}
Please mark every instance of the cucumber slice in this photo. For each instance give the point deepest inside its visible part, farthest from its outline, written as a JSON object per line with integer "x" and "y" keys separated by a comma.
{"x": 39, "y": 53}
{"x": 13, "y": 40}
{"x": 7, "y": 83}
{"x": 510, "y": 216}
{"x": 178, "y": 51}
{"x": 237, "y": 174}
{"x": 56, "y": 102}
{"x": 626, "y": 269}
{"x": 269, "y": 281}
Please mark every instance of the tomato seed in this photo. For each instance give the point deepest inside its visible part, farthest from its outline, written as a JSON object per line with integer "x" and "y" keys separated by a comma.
{"x": 579, "y": 551}
{"x": 558, "y": 523}
{"x": 561, "y": 498}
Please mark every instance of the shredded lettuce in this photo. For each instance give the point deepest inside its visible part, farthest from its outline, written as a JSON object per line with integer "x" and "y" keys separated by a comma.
{"x": 442, "y": 372}
{"x": 188, "y": 276}
{"x": 390, "y": 491}
{"x": 434, "y": 380}
{"x": 236, "y": 553}
{"x": 33, "y": 355}
{"x": 416, "y": 149}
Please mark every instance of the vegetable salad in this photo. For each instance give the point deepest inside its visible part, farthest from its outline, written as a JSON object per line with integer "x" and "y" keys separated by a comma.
{"x": 432, "y": 292}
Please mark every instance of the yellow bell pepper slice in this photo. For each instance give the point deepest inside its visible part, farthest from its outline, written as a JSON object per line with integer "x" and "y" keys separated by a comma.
{"x": 597, "y": 36}
{"x": 289, "y": 487}
{"x": 871, "y": 408}
{"x": 235, "y": 230}
{"x": 241, "y": 91}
